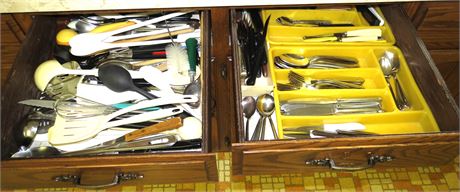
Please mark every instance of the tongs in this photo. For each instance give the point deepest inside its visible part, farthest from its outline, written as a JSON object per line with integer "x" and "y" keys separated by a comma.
{"x": 348, "y": 36}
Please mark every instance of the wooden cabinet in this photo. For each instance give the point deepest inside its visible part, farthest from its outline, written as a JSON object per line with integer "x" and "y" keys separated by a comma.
{"x": 424, "y": 149}
{"x": 223, "y": 122}
{"x": 437, "y": 24}
{"x": 137, "y": 168}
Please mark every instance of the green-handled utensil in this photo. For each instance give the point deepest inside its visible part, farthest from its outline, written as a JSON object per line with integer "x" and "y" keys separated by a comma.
{"x": 192, "y": 44}
{"x": 194, "y": 88}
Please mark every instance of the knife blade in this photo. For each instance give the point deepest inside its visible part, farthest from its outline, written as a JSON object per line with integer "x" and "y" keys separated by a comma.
{"x": 49, "y": 104}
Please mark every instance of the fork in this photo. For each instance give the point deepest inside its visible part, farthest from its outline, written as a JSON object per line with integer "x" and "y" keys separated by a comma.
{"x": 299, "y": 81}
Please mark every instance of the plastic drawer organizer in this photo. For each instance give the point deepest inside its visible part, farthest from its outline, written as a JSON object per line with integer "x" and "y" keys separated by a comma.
{"x": 310, "y": 41}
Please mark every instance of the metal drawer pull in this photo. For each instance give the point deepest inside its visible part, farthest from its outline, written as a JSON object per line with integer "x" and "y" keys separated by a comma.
{"x": 331, "y": 164}
{"x": 117, "y": 179}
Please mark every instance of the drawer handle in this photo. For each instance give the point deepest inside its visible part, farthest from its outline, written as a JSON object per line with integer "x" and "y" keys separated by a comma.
{"x": 331, "y": 163}
{"x": 117, "y": 179}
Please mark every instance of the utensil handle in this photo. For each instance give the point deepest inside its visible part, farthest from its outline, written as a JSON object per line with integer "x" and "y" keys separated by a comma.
{"x": 191, "y": 44}
{"x": 167, "y": 125}
{"x": 162, "y": 113}
{"x": 357, "y": 110}
{"x": 275, "y": 134}
{"x": 156, "y": 36}
{"x": 262, "y": 134}
{"x": 247, "y": 130}
{"x": 256, "y": 133}
{"x": 403, "y": 102}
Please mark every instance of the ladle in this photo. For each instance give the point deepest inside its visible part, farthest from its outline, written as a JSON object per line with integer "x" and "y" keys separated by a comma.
{"x": 118, "y": 79}
{"x": 249, "y": 108}
{"x": 390, "y": 66}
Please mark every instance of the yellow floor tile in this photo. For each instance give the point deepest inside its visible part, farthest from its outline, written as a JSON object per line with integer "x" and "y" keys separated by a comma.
{"x": 452, "y": 180}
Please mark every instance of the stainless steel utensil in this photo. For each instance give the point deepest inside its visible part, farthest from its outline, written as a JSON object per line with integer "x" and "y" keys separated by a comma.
{"x": 290, "y": 60}
{"x": 291, "y": 22}
{"x": 331, "y": 107}
{"x": 297, "y": 81}
{"x": 249, "y": 108}
{"x": 44, "y": 151}
{"x": 265, "y": 105}
{"x": 389, "y": 64}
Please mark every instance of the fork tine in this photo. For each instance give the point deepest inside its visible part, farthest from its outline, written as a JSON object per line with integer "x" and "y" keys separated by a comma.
{"x": 296, "y": 79}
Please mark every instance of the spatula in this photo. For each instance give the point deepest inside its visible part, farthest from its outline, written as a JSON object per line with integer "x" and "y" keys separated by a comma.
{"x": 69, "y": 131}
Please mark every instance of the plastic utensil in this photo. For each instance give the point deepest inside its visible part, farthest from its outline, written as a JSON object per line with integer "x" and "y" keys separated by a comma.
{"x": 89, "y": 43}
{"x": 69, "y": 131}
{"x": 118, "y": 79}
{"x": 157, "y": 78}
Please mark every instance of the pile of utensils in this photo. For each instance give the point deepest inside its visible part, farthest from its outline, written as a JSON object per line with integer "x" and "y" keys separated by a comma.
{"x": 296, "y": 61}
{"x": 251, "y": 33}
{"x": 265, "y": 106}
{"x": 335, "y": 130}
{"x": 119, "y": 83}
{"x": 297, "y": 81}
{"x": 325, "y": 107}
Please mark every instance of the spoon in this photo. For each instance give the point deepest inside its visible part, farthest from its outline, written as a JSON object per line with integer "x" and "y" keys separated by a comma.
{"x": 84, "y": 27}
{"x": 249, "y": 108}
{"x": 265, "y": 105}
{"x": 390, "y": 66}
{"x": 194, "y": 87}
{"x": 118, "y": 79}
{"x": 43, "y": 151}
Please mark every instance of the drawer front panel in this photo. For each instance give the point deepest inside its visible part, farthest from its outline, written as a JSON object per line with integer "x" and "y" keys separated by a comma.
{"x": 163, "y": 169}
{"x": 244, "y": 154}
{"x": 347, "y": 158}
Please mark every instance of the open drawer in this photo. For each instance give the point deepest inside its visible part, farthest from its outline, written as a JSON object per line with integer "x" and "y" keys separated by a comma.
{"x": 172, "y": 166}
{"x": 425, "y": 135}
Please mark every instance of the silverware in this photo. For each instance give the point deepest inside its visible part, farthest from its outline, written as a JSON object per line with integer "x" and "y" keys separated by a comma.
{"x": 337, "y": 107}
{"x": 348, "y": 36}
{"x": 389, "y": 64}
{"x": 283, "y": 20}
{"x": 265, "y": 107}
{"x": 249, "y": 108}
{"x": 290, "y": 60}
{"x": 297, "y": 81}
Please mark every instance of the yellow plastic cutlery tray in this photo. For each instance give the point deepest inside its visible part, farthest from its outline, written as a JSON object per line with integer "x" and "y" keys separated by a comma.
{"x": 418, "y": 119}
{"x": 279, "y": 34}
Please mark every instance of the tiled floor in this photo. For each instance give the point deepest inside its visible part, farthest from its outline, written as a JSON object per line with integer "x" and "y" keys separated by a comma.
{"x": 440, "y": 178}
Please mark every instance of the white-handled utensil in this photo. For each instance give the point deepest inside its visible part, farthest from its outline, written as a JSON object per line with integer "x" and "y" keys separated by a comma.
{"x": 70, "y": 131}
{"x": 89, "y": 43}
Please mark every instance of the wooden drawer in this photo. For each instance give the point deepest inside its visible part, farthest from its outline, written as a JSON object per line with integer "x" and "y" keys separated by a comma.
{"x": 421, "y": 149}
{"x": 99, "y": 171}
{"x": 162, "y": 167}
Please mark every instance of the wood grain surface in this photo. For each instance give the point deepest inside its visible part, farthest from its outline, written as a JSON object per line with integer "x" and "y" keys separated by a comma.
{"x": 35, "y": 49}
{"x": 156, "y": 168}
{"x": 423, "y": 69}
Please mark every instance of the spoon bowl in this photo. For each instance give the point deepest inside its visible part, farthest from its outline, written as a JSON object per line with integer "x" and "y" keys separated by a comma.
{"x": 265, "y": 105}
{"x": 249, "y": 108}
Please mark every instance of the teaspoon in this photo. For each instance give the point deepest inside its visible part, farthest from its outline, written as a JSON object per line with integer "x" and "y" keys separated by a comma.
{"x": 249, "y": 108}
